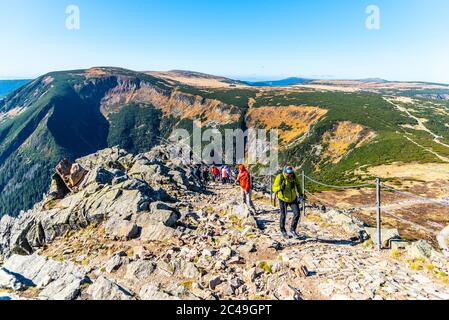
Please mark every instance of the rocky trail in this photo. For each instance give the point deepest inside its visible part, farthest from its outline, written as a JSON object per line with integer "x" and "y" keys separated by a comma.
{"x": 340, "y": 267}
{"x": 140, "y": 228}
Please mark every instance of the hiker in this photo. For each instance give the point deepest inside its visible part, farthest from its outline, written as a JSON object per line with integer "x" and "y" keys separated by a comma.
{"x": 205, "y": 174}
{"x": 215, "y": 173}
{"x": 229, "y": 171}
{"x": 197, "y": 174}
{"x": 224, "y": 175}
{"x": 287, "y": 186}
{"x": 244, "y": 178}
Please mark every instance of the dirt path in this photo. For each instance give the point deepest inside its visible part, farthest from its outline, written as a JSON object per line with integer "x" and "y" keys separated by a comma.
{"x": 421, "y": 126}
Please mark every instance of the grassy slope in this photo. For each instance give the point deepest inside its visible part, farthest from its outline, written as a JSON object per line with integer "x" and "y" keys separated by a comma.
{"x": 369, "y": 110}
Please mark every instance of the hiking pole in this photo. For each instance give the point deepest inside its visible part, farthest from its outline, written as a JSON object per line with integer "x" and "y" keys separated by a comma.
{"x": 379, "y": 211}
{"x": 271, "y": 189}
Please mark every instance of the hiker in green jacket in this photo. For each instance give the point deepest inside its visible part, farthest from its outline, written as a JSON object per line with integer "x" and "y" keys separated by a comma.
{"x": 287, "y": 186}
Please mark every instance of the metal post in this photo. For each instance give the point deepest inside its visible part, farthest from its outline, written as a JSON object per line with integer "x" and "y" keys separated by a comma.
{"x": 304, "y": 192}
{"x": 379, "y": 212}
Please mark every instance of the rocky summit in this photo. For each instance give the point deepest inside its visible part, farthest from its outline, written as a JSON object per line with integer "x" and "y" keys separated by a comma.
{"x": 141, "y": 228}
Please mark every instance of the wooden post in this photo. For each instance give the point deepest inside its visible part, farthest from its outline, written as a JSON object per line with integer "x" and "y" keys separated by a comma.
{"x": 379, "y": 212}
{"x": 304, "y": 192}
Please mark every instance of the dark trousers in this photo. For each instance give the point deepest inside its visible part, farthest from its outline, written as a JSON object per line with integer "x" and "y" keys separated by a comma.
{"x": 296, "y": 214}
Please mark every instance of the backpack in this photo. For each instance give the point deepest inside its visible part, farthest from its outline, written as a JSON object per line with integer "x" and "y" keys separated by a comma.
{"x": 283, "y": 178}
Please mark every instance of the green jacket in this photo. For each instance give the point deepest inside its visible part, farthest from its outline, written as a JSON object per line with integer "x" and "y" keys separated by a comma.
{"x": 293, "y": 188}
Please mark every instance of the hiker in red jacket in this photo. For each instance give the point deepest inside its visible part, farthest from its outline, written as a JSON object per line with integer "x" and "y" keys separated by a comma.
{"x": 244, "y": 178}
{"x": 215, "y": 173}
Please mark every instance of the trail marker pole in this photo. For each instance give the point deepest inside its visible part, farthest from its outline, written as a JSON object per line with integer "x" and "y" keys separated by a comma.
{"x": 379, "y": 212}
{"x": 304, "y": 192}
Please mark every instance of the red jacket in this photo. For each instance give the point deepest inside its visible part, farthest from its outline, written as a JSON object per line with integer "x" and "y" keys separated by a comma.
{"x": 244, "y": 178}
{"x": 214, "y": 171}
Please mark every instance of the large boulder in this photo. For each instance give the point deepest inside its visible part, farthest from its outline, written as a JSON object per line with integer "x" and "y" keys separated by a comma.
{"x": 387, "y": 235}
{"x": 349, "y": 223}
{"x": 56, "y": 280}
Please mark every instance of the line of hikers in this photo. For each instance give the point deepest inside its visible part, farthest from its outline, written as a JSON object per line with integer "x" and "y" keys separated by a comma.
{"x": 287, "y": 187}
{"x": 224, "y": 174}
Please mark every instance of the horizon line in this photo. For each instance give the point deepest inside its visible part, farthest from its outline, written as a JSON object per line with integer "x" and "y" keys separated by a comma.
{"x": 245, "y": 78}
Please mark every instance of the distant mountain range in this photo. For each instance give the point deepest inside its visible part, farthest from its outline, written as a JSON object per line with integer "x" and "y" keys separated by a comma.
{"x": 279, "y": 83}
{"x": 8, "y": 86}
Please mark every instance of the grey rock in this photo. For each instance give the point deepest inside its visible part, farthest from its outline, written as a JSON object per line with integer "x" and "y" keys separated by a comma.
{"x": 99, "y": 176}
{"x": 190, "y": 271}
{"x": 105, "y": 289}
{"x": 140, "y": 270}
{"x": 386, "y": 234}
{"x": 236, "y": 283}
{"x": 10, "y": 281}
{"x": 225, "y": 253}
{"x": 156, "y": 232}
{"x": 59, "y": 280}
{"x": 287, "y": 292}
{"x": 121, "y": 229}
{"x": 116, "y": 262}
{"x": 420, "y": 249}
{"x": 154, "y": 292}
{"x": 160, "y": 213}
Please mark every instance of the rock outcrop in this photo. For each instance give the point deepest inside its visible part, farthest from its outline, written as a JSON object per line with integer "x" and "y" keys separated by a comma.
{"x": 128, "y": 193}
{"x": 56, "y": 280}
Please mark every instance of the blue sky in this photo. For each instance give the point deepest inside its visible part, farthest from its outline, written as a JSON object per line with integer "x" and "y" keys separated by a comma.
{"x": 248, "y": 39}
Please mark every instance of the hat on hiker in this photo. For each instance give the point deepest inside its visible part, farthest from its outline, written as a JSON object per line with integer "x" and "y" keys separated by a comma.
{"x": 288, "y": 170}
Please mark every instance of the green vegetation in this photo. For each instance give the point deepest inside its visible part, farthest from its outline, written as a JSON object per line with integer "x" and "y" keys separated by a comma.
{"x": 236, "y": 97}
{"x": 373, "y": 112}
{"x": 135, "y": 128}
{"x": 265, "y": 266}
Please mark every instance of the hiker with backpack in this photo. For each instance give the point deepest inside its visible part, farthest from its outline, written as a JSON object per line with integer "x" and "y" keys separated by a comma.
{"x": 287, "y": 186}
{"x": 244, "y": 178}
